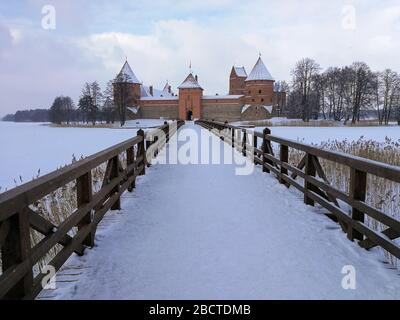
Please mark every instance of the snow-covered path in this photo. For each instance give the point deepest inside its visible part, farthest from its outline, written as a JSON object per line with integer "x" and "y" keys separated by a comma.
{"x": 202, "y": 232}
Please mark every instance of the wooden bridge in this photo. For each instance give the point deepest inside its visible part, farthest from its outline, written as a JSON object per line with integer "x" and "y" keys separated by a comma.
{"x": 237, "y": 226}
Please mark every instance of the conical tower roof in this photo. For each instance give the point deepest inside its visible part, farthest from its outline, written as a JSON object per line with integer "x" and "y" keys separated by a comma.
{"x": 126, "y": 74}
{"x": 190, "y": 83}
{"x": 259, "y": 72}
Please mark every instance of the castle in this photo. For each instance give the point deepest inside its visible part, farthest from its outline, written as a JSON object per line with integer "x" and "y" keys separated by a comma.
{"x": 251, "y": 97}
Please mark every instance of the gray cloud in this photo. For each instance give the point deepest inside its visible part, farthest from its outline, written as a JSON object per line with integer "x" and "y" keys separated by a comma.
{"x": 160, "y": 38}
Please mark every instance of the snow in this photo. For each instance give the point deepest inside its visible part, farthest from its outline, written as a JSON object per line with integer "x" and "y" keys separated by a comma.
{"x": 259, "y": 72}
{"x": 127, "y": 73}
{"x": 135, "y": 110}
{"x": 247, "y": 106}
{"x": 28, "y": 147}
{"x": 268, "y": 108}
{"x": 189, "y": 83}
{"x": 145, "y": 93}
{"x": 144, "y": 123}
{"x": 151, "y": 98}
{"x": 226, "y": 96}
{"x": 317, "y": 135}
{"x": 202, "y": 232}
{"x": 241, "y": 72}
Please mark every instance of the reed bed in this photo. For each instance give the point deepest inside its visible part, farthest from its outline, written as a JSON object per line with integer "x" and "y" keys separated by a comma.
{"x": 382, "y": 194}
{"x": 58, "y": 205}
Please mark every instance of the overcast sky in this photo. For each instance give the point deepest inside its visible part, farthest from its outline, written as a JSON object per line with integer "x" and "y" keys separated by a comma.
{"x": 160, "y": 38}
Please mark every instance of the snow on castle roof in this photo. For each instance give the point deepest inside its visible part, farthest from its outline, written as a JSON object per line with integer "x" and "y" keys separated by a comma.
{"x": 126, "y": 74}
{"x": 190, "y": 83}
{"x": 259, "y": 72}
{"x": 166, "y": 88}
{"x": 219, "y": 97}
{"x": 240, "y": 72}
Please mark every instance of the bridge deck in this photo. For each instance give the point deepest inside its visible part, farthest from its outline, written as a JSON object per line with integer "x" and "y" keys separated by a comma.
{"x": 202, "y": 232}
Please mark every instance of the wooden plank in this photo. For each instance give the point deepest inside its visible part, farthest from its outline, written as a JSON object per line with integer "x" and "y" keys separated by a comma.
{"x": 15, "y": 199}
{"x": 4, "y": 229}
{"x": 389, "y": 232}
{"x": 379, "y": 169}
{"x": 358, "y": 190}
{"x": 374, "y": 236}
{"x": 300, "y": 166}
{"x": 84, "y": 195}
{"x": 310, "y": 170}
{"x": 45, "y": 227}
{"x": 264, "y": 149}
{"x": 244, "y": 142}
{"x": 115, "y": 173}
{"x": 17, "y": 271}
{"x": 284, "y": 157}
{"x": 141, "y": 152}
{"x": 58, "y": 261}
{"x": 372, "y": 212}
{"x": 321, "y": 174}
{"x": 130, "y": 160}
{"x": 17, "y": 248}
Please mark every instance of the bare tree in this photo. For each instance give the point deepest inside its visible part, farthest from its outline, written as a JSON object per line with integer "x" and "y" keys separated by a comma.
{"x": 389, "y": 87}
{"x": 108, "y": 103}
{"x": 362, "y": 89}
{"x": 304, "y": 75}
{"x": 122, "y": 95}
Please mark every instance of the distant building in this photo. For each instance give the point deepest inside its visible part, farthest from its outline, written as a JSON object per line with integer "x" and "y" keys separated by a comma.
{"x": 251, "y": 97}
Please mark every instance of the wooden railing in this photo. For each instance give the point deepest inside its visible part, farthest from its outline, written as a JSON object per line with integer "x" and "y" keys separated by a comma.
{"x": 316, "y": 187}
{"x": 17, "y": 218}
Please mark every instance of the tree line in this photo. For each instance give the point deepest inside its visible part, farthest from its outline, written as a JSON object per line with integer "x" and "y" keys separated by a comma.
{"x": 343, "y": 93}
{"x": 36, "y": 115}
{"x": 94, "y": 105}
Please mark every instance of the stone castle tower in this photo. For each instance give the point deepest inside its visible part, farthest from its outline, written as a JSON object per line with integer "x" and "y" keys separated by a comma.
{"x": 190, "y": 95}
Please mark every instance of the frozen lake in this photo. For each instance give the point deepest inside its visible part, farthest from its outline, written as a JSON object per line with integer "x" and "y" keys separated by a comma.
{"x": 28, "y": 147}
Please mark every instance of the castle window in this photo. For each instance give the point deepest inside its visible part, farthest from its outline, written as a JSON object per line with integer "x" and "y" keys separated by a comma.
{"x": 262, "y": 100}
{"x": 249, "y": 91}
{"x": 259, "y": 91}
{"x": 252, "y": 100}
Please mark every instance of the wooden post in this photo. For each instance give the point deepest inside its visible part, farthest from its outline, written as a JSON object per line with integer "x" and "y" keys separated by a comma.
{"x": 115, "y": 174}
{"x": 244, "y": 142}
{"x": 284, "y": 157}
{"x": 16, "y": 249}
{"x": 148, "y": 144}
{"x": 233, "y": 137}
{"x": 265, "y": 149}
{"x": 84, "y": 195}
{"x": 141, "y": 152}
{"x": 310, "y": 170}
{"x": 130, "y": 159}
{"x": 255, "y": 147}
{"x": 156, "y": 150}
{"x": 166, "y": 132}
{"x": 358, "y": 191}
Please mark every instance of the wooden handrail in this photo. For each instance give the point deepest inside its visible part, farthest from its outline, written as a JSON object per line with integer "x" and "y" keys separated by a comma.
{"x": 319, "y": 189}
{"x": 17, "y": 218}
